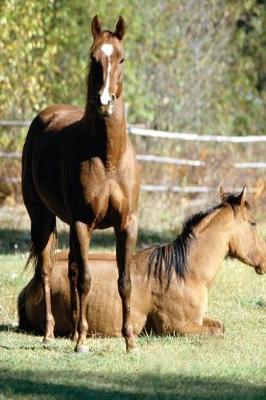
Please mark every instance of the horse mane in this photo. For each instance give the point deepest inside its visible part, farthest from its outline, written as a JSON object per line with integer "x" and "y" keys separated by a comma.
{"x": 164, "y": 260}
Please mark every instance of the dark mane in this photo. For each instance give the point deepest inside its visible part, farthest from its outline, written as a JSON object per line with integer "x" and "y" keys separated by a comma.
{"x": 232, "y": 199}
{"x": 171, "y": 258}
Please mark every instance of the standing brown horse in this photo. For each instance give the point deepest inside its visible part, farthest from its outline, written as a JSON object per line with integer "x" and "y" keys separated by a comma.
{"x": 170, "y": 282}
{"x": 80, "y": 167}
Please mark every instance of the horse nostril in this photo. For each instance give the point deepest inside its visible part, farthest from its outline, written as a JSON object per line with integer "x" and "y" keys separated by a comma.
{"x": 113, "y": 98}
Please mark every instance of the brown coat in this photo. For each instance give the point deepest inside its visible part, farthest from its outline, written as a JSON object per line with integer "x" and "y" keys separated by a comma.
{"x": 169, "y": 283}
{"x": 79, "y": 165}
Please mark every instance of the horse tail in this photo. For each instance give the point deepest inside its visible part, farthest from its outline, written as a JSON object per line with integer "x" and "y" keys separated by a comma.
{"x": 33, "y": 256}
{"x": 32, "y": 259}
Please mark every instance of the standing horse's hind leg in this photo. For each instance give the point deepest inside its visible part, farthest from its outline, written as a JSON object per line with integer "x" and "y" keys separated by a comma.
{"x": 125, "y": 245}
{"x": 42, "y": 234}
{"x": 74, "y": 297}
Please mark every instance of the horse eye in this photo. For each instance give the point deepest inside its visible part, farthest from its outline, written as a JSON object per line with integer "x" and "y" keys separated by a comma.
{"x": 121, "y": 61}
{"x": 252, "y": 223}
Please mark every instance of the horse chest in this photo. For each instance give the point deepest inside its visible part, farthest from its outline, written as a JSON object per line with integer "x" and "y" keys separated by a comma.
{"x": 102, "y": 189}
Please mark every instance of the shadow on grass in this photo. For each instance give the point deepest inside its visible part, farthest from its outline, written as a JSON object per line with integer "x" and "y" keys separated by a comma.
{"x": 14, "y": 241}
{"x": 93, "y": 385}
{"x": 8, "y": 328}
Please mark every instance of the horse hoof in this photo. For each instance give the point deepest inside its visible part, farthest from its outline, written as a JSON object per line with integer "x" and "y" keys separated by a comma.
{"x": 81, "y": 349}
{"x": 47, "y": 342}
{"x": 74, "y": 337}
{"x": 132, "y": 347}
{"x": 135, "y": 351}
{"x": 218, "y": 332}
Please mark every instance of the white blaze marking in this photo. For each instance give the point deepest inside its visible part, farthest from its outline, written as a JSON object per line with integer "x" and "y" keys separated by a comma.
{"x": 107, "y": 49}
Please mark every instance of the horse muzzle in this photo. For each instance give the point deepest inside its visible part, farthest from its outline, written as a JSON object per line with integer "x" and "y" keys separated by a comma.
{"x": 106, "y": 107}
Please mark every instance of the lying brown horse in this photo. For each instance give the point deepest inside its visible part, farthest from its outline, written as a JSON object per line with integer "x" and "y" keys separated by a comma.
{"x": 169, "y": 291}
{"x": 80, "y": 166}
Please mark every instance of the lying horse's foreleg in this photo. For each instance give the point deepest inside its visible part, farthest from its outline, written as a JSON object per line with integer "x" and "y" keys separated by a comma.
{"x": 80, "y": 235}
{"x": 125, "y": 246}
{"x": 213, "y": 323}
{"x": 74, "y": 298}
{"x": 193, "y": 328}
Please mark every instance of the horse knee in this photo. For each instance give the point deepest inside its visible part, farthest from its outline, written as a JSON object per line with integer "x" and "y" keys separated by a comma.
{"x": 72, "y": 271}
{"x": 132, "y": 227}
{"x": 84, "y": 279}
{"x": 124, "y": 286}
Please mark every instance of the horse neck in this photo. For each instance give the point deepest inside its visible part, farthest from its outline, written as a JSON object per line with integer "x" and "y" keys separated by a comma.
{"x": 106, "y": 134}
{"x": 211, "y": 245}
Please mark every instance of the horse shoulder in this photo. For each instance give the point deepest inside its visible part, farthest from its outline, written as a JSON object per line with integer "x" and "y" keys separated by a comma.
{"x": 128, "y": 175}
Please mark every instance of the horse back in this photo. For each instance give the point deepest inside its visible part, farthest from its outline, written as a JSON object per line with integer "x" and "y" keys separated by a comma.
{"x": 63, "y": 256}
{"x": 59, "y": 116}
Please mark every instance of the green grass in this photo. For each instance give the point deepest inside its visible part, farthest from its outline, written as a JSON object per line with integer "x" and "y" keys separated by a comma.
{"x": 164, "y": 368}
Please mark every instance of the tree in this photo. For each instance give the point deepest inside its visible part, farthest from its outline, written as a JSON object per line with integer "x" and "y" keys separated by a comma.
{"x": 190, "y": 65}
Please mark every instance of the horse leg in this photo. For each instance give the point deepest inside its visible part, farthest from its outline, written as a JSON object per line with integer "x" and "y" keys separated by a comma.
{"x": 193, "y": 328}
{"x": 80, "y": 236}
{"x": 42, "y": 234}
{"x": 74, "y": 298}
{"x": 215, "y": 323}
{"x": 125, "y": 245}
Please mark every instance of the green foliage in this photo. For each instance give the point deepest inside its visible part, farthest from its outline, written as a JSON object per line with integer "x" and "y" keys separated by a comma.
{"x": 191, "y": 66}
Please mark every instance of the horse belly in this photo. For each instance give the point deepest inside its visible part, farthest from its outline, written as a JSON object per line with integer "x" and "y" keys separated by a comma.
{"x": 50, "y": 181}
{"x": 48, "y": 187}
{"x": 49, "y": 138}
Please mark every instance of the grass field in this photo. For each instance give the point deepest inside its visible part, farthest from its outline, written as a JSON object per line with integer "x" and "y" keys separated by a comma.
{"x": 164, "y": 368}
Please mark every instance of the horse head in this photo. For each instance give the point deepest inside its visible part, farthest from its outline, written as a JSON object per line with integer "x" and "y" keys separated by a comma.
{"x": 246, "y": 243}
{"x": 107, "y": 56}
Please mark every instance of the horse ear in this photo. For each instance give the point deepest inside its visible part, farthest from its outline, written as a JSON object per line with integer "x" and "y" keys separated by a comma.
{"x": 95, "y": 26}
{"x": 120, "y": 28}
{"x": 222, "y": 192}
{"x": 242, "y": 196}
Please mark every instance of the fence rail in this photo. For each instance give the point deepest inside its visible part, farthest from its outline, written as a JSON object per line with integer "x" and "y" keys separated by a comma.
{"x": 134, "y": 130}
{"x": 195, "y": 137}
{"x": 159, "y": 188}
{"x": 16, "y": 123}
{"x": 10, "y": 154}
{"x": 159, "y": 159}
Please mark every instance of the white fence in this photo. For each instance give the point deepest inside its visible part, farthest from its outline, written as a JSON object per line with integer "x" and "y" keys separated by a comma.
{"x": 195, "y": 137}
{"x": 134, "y": 130}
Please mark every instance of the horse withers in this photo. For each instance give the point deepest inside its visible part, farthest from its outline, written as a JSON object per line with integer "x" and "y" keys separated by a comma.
{"x": 170, "y": 282}
{"x": 79, "y": 165}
